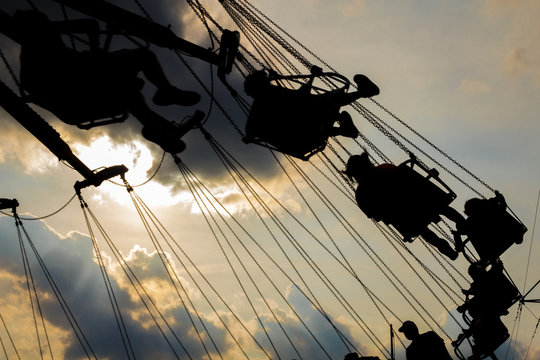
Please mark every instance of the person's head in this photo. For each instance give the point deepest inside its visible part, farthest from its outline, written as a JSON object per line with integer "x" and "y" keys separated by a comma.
{"x": 256, "y": 82}
{"x": 473, "y": 206}
{"x": 476, "y": 271}
{"x": 358, "y": 164}
{"x": 409, "y": 329}
{"x": 352, "y": 356}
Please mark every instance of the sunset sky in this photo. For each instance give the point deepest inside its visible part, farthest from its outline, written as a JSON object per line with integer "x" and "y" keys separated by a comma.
{"x": 466, "y": 75}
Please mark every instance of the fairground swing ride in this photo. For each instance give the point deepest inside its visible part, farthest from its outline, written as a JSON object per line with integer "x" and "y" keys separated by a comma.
{"x": 293, "y": 108}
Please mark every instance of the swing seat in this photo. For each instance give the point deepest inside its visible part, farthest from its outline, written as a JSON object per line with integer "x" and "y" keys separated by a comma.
{"x": 420, "y": 196}
{"x": 497, "y": 231}
{"x": 291, "y": 121}
{"x": 85, "y": 107}
{"x": 493, "y": 292}
{"x": 487, "y": 335}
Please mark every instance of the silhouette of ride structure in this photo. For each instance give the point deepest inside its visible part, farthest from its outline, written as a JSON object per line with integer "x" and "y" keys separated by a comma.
{"x": 292, "y": 114}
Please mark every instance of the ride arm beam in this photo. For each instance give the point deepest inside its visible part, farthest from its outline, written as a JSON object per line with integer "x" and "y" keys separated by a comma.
{"x": 40, "y": 129}
{"x": 141, "y": 27}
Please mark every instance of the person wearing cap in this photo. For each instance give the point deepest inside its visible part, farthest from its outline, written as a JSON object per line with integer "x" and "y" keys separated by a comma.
{"x": 425, "y": 346}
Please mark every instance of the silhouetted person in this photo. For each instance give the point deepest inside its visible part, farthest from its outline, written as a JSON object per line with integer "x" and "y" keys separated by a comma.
{"x": 81, "y": 86}
{"x": 426, "y": 346}
{"x": 398, "y": 196}
{"x": 294, "y": 120}
{"x": 355, "y": 356}
{"x": 489, "y": 227}
{"x": 352, "y": 356}
{"x": 491, "y": 293}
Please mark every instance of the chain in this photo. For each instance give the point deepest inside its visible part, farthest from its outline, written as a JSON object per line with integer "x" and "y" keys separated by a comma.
{"x": 433, "y": 145}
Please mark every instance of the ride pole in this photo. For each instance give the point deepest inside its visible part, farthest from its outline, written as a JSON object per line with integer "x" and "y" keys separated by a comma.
{"x": 392, "y": 343}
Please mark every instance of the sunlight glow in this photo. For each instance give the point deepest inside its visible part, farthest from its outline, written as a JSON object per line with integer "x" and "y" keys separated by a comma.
{"x": 102, "y": 152}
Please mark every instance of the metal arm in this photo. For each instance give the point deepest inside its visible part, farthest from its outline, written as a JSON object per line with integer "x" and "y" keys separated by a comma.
{"x": 141, "y": 27}
{"x": 42, "y": 131}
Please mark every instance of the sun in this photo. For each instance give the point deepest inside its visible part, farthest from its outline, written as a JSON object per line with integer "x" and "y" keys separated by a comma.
{"x": 138, "y": 158}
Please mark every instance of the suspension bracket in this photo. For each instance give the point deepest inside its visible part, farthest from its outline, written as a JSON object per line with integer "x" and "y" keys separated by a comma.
{"x": 100, "y": 177}
{"x": 8, "y": 204}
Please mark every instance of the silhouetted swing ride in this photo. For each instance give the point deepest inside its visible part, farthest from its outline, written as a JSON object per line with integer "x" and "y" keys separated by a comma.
{"x": 306, "y": 115}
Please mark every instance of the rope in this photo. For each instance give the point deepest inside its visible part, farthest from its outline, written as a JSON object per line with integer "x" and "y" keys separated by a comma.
{"x": 44, "y": 216}
{"x": 168, "y": 266}
{"x": 199, "y": 200}
{"x": 532, "y": 338}
{"x": 215, "y": 200}
{"x": 83, "y": 341}
{"x": 532, "y": 241}
{"x": 134, "y": 281}
{"x": 126, "y": 342}
{"x": 30, "y": 285}
{"x": 304, "y": 228}
{"x": 10, "y": 339}
{"x": 195, "y": 190}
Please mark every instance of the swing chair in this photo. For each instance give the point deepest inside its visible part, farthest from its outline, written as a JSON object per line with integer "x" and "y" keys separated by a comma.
{"x": 290, "y": 114}
{"x": 82, "y": 95}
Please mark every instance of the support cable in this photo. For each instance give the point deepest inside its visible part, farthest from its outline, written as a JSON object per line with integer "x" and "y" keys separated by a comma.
{"x": 157, "y": 224}
{"x": 168, "y": 266}
{"x": 10, "y": 339}
{"x": 257, "y": 263}
{"x": 231, "y": 311}
{"x": 30, "y": 285}
{"x": 126, "y": 342}
{"x": 83, "y": 341}
{"x": 532, "y": 241}
{"x": 200, "y": 200}
{"x": 140, "y": 290}
{"x": 432, "y": 145}
{"x": 231, "y": 168}
{"x": 297, "y": 246}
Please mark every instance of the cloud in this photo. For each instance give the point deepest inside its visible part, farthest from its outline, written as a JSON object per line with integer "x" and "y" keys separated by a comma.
{"x": 523, "y": 62}
{"x": 73, "y": 266}
{"x": 521, "y": 36}
{"x": 70, "y": 261}
{"x": 473, "y": 87}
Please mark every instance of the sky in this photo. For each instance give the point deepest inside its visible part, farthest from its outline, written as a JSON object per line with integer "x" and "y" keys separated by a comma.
{"x": 466, "y": 75}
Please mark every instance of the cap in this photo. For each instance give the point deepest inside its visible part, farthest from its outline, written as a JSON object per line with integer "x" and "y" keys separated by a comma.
{"x": 407, "y": 325}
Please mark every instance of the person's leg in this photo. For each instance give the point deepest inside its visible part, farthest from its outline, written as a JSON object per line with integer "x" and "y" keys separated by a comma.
{"x": 346, "y": 126}
{"x": 366, "y": 89}
{"x": 444, "y": 248}
{"x": 155, "y": 127}
{"x": 453, "y": 215}
{"x": 130, "y": 62}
